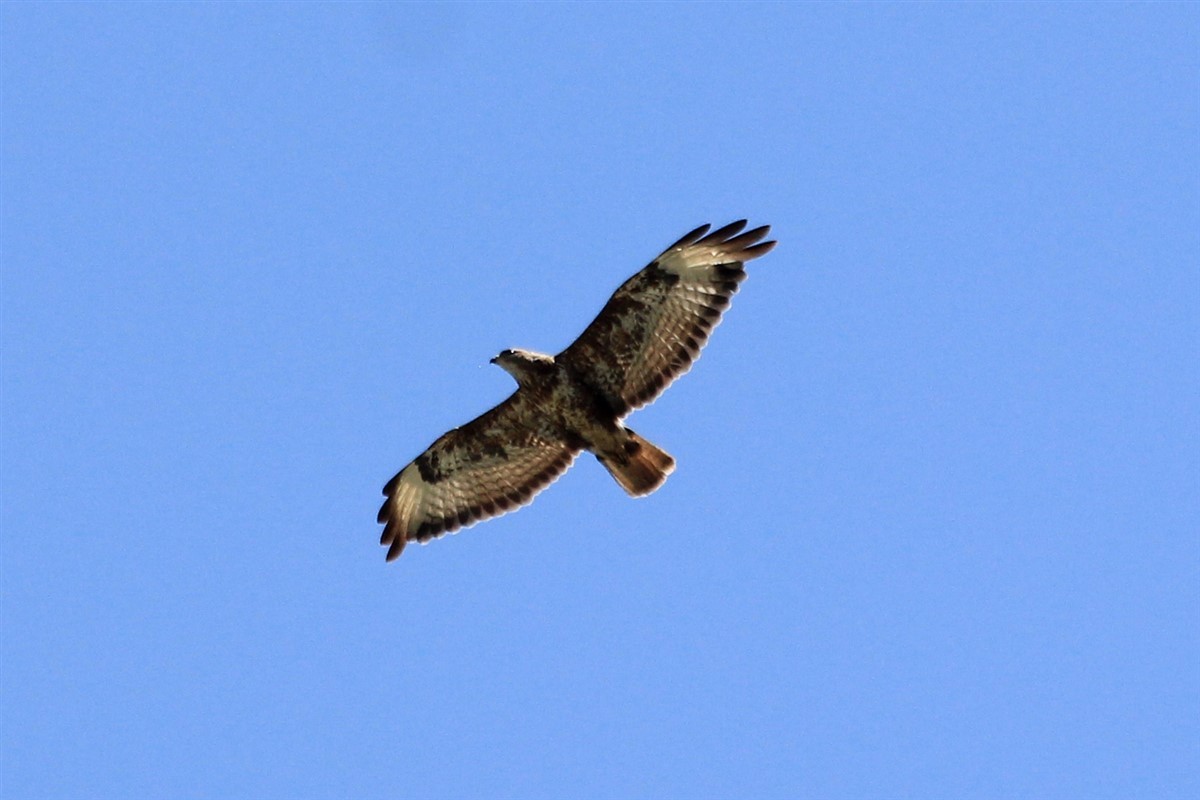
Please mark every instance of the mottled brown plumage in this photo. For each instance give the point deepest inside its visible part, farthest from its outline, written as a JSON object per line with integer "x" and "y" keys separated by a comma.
{"x": 646, "y": 336}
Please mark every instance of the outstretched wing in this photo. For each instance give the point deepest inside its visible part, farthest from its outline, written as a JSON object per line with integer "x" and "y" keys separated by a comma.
{"x": 492, "y": 465}
{"x": 654, "y": 326}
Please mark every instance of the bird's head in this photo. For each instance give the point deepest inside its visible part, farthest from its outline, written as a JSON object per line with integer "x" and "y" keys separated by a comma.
{"x": 524, "y": 365}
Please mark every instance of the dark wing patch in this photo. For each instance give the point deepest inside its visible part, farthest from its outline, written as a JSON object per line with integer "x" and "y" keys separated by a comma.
{"x": 492, "y": 465}
{"x": 654, "y": 326}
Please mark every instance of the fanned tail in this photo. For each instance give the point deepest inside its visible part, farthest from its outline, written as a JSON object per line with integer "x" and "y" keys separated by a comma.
{"x": 641, "y": 467}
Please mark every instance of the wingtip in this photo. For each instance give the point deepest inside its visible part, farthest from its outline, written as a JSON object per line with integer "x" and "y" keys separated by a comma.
{"x": 724, "y": 233}
{"x": 691, "y": 237}
{"x": 760, "y": 249}
{"x": 396, "y": 549}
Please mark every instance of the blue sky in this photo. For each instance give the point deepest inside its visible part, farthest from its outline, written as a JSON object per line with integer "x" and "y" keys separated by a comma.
{"x": 933, "y": 532}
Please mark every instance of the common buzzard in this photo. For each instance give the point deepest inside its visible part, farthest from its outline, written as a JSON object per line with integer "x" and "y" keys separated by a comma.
{"x": 648, "y": 334}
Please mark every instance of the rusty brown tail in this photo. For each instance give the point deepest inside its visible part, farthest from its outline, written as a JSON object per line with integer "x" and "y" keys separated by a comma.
{"x": 641, "y": 468}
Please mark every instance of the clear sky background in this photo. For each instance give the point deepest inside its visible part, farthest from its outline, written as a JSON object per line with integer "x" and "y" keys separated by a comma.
{"x": 934, "y": 530}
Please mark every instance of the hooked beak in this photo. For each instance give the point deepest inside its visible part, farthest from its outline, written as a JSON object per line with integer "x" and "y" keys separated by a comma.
{"x": 493, "y": 360}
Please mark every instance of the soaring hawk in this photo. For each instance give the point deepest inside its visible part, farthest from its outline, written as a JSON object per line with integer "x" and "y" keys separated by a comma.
{"x": 648, "y": 334}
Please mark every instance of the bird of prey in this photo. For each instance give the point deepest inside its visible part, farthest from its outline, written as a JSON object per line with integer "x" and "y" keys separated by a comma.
{"x": 648, "y": 334}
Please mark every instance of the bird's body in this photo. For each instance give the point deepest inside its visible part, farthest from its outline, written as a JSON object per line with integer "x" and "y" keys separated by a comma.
{"x": 579, "y": 413}
{"x": 649, "y": 333}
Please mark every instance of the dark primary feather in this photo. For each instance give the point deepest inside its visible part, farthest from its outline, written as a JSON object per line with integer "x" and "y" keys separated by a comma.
{"x": 691, "y": 236}
{"x": 724, "y": 233}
